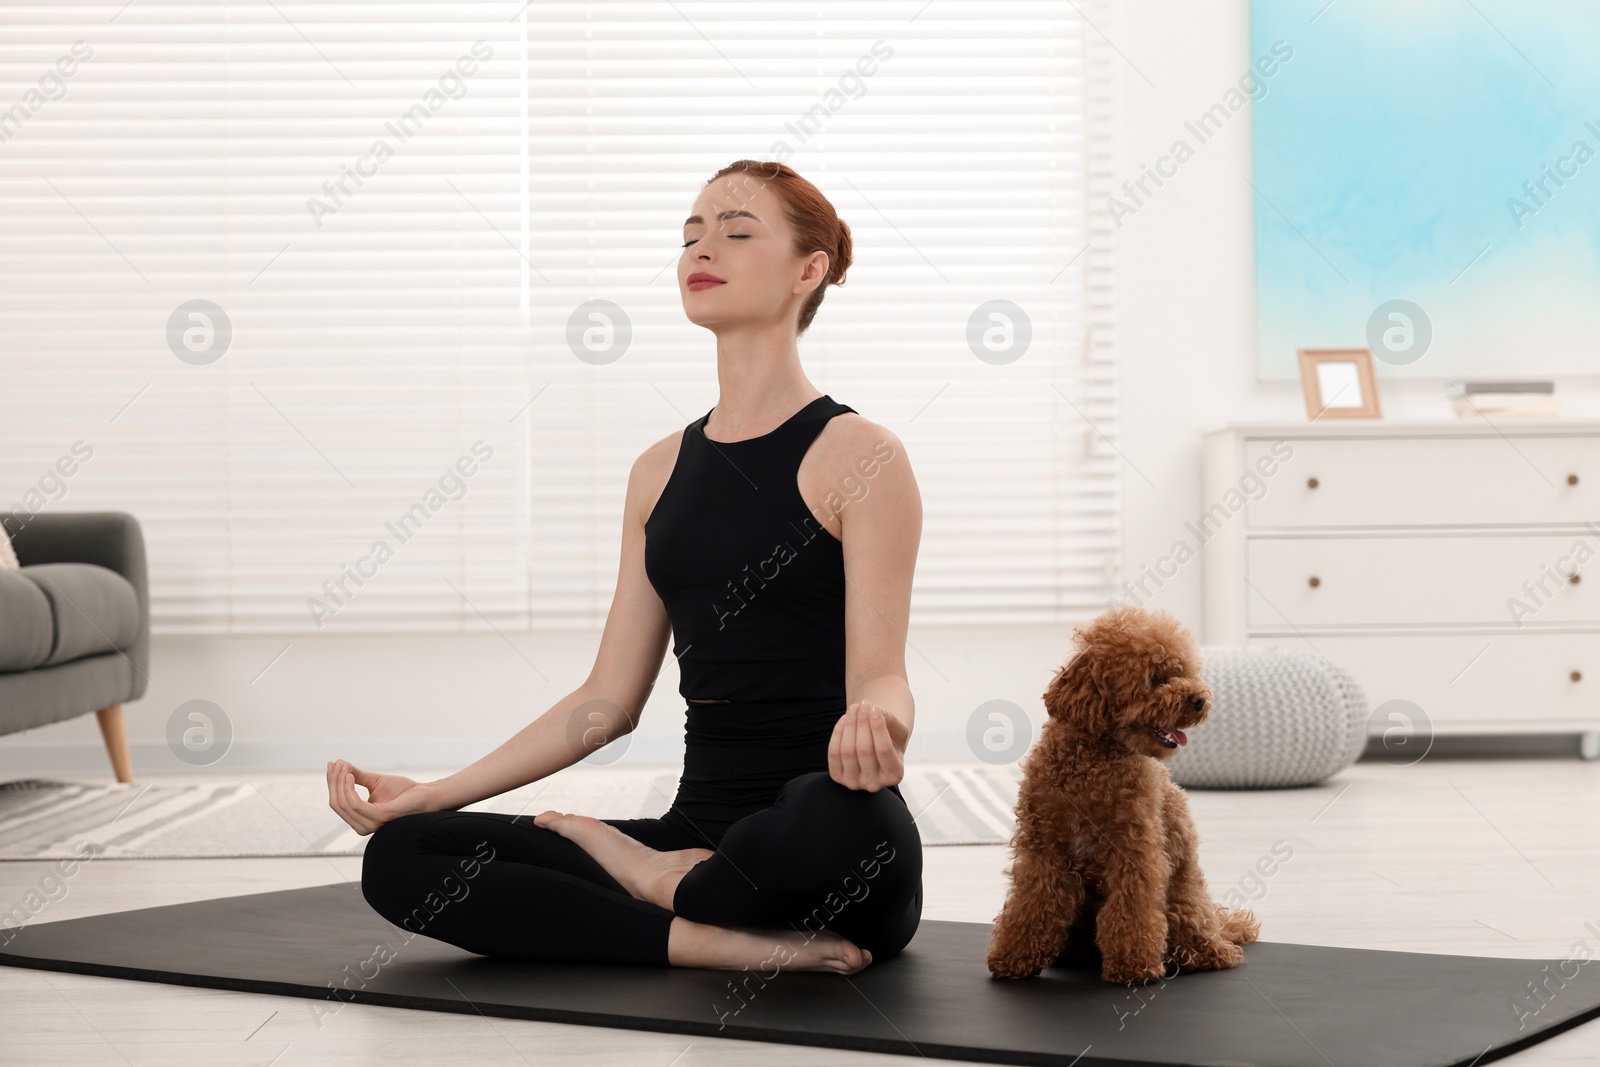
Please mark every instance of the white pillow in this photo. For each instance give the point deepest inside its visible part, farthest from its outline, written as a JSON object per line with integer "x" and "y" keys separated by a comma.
{"x": 8, "y": 555}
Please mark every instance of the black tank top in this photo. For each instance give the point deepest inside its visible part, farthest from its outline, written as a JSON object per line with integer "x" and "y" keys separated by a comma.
{"x": 752, "y": 581}
{"x": 753, "y": 584}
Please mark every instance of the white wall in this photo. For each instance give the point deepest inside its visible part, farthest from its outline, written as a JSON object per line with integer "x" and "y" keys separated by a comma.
{"x": 1186, "y": 336}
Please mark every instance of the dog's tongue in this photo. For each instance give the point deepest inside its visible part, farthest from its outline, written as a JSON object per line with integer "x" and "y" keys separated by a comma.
{"x": 1178, "y": 736}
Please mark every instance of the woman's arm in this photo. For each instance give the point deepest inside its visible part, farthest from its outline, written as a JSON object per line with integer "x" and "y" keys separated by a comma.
{"x": 882, "y": 526}
{"x": 574, "y": 726}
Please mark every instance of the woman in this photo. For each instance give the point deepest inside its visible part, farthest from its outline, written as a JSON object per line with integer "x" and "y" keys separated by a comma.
{"x": 788, "y": 841}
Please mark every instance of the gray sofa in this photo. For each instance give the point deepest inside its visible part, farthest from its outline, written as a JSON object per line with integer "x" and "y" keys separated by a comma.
{"x": 74, "y": 623}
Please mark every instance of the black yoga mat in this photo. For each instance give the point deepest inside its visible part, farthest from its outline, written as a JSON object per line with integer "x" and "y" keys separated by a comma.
{"x": 1288, "y": 1006}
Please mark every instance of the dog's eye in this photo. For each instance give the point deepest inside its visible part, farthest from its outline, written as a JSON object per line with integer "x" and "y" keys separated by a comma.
{"x": 1156, "y": 681}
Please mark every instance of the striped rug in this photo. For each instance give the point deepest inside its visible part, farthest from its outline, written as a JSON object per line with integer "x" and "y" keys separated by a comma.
{"x": 41, "y": 819}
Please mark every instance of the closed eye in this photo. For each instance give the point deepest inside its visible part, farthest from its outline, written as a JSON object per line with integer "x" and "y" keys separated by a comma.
{"x": 686, "y": 244}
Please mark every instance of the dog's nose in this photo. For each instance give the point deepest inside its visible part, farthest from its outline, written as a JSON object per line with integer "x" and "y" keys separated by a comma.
{"x": 1197, "y": 702}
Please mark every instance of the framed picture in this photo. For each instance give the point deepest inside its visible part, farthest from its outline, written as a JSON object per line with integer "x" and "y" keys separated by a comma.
{"x": 1339, "y": 384}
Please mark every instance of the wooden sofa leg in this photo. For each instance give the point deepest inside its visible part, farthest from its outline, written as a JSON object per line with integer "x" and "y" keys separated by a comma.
{"x": 116, "y": 739}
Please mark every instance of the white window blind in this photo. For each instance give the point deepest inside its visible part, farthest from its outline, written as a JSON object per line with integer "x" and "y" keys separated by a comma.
{"x": 397, "y": 217}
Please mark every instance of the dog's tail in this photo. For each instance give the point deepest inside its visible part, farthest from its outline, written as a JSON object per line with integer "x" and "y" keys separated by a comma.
{"x": 1239, "y": 926}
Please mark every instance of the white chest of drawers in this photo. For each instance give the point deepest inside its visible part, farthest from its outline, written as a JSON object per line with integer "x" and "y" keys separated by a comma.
{"x": 1452, "y": 565}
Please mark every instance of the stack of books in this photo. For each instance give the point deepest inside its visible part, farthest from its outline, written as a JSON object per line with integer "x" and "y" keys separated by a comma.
{"x": 1518, "y": 399}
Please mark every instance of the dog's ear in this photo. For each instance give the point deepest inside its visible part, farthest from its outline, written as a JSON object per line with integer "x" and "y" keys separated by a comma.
{"x": 1073, "y": 696}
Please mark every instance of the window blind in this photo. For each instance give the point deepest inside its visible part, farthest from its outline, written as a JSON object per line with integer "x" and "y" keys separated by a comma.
{"x": 365, "y": 310}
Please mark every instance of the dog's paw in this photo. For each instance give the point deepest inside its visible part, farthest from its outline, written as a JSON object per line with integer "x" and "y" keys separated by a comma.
{"x": 1238, "y": 925}
{"x": 1216, "y": 955}
{"x": 1123, "y": 971}
{"x": 1003, "y": 966}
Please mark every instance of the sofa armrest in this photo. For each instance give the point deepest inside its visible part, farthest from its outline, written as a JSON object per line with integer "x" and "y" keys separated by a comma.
{"x": 112, "y": 539}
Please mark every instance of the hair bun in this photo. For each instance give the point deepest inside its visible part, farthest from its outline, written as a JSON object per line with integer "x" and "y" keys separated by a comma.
{"x": 841, "y": 261}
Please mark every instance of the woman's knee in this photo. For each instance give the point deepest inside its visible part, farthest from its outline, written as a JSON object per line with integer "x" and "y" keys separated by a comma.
{"x": 872, "y": 834}
{"x": 393, "y": 858}
{"x": 393, "y": 839}
{"x": 864, "y": 813}
{"x": 819, "y": 787}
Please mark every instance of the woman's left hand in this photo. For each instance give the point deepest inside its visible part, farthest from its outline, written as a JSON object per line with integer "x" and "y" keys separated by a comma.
{"x": 866, "y": 750}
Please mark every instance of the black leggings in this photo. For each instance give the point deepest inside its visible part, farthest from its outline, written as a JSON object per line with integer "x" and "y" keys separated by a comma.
{"x": 822, "y": 855}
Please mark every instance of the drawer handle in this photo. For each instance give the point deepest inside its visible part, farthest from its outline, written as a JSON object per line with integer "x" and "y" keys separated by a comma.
{"x": 1311, "y": 483}
{"x": 1577, "y": 676}
{"x": 1572, "y": 479}
{"x": 1574, "y": 578}
{"x": 1315, "y": 581}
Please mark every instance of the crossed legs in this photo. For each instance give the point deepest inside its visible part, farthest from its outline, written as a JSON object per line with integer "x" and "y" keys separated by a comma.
{"x": 831, "y": 874}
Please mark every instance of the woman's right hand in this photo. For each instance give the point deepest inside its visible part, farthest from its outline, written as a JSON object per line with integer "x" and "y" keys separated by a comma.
{"x": 389, "y": 796}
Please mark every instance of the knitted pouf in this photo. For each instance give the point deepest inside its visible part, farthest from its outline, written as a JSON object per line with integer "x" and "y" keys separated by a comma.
{"x": 1279, "y": 717}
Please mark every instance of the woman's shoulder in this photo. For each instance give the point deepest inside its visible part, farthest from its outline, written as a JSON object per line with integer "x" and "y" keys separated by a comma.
{"x": 854, "y": 433}
{"x": 651, "y": 469}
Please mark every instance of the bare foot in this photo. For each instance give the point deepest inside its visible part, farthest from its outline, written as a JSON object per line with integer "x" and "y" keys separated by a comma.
{"x": 646, "y": 873}
{"x": 760, "y": 948}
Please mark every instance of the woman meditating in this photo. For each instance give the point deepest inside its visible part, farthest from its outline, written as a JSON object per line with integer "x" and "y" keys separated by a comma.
{"x": 774, "y": 538}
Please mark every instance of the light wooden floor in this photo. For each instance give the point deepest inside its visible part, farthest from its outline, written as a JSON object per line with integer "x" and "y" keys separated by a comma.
{"x": 1467, "y": 856}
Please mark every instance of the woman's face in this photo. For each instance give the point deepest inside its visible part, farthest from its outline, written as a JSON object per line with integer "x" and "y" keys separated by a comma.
{"x": 737, "y": 232}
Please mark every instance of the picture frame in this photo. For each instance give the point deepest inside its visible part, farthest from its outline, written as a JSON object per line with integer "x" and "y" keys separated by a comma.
{"x": 1339, "y": 383}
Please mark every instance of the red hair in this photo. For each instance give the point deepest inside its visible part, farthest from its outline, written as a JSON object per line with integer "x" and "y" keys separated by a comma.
{"x": 817, "y": 227}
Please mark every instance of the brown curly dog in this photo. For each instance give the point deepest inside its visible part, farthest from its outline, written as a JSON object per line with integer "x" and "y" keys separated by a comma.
{"x": 1104, "y": 852}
